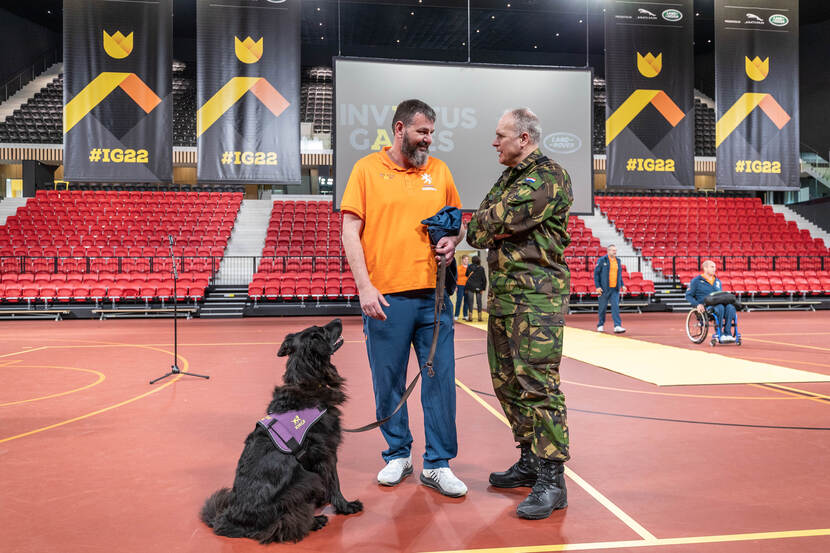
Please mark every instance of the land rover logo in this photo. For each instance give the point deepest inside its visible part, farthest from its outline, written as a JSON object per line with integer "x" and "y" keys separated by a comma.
{"x": 672, "y": 15}
{"x": 562, "y": 143}
{"x": 779, "y": 20}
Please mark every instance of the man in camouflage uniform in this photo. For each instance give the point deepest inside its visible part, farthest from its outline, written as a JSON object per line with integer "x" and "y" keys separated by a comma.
{"x": 523, "y": 222}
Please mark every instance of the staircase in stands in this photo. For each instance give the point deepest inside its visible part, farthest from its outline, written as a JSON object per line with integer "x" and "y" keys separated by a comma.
{"x": 802, "y": 223}
{"x": 229, "y": 295}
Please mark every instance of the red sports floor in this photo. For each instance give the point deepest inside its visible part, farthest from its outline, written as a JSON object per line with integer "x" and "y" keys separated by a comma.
{"x": 92, "y": 458}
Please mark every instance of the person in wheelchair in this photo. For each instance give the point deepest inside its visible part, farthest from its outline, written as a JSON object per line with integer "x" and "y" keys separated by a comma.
{"x": 703, "y": 285}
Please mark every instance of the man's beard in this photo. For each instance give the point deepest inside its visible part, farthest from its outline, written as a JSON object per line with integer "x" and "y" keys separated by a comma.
{"x": 416, "y": 157}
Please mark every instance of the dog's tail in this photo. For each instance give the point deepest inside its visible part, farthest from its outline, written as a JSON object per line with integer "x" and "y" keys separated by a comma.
{"x": 215, "y": 506}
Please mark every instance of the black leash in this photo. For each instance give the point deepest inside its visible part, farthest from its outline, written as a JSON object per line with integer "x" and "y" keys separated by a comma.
{"x": 439, "y": 307}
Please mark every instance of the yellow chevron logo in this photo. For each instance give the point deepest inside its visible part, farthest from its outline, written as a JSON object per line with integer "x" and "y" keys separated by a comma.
{"x": 101, "y": 87}
{"x": 248, "y": 51}
{"x": 741, "y": 109}
{"x": 229, "y": 94}
{"x": 118, "y": 46}
{"x": 648, "y": 65}
{"x": 636, "y": 103}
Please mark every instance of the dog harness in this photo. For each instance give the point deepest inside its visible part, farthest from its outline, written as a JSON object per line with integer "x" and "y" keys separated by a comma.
{"x": 288, "y": 430}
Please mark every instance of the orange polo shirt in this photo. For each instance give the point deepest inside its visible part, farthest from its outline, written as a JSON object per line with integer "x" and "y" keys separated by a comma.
{"x": 462, "y": 275}
{"x": 614, "y": 265}
{"x": 392, "y": 202}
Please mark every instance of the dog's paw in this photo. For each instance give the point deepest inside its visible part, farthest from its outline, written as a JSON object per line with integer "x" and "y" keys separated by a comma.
{"x": 351, "y": 508}
{"x": 319, "y": 522}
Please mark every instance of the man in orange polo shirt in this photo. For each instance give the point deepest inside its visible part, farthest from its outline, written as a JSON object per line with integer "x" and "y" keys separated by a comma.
{"x": 388, "y": 194}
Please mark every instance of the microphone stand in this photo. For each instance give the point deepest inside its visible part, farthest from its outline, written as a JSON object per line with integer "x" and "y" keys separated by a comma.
{"x": 175, "y": 368}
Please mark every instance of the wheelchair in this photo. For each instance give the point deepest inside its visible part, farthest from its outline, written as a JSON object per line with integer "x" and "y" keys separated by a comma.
{"x": 697, "y": 327}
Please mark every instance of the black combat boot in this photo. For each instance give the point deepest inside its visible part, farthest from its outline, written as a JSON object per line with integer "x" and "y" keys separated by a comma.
{"x": 548, "y": 494}
{"x": 522, "y": 473}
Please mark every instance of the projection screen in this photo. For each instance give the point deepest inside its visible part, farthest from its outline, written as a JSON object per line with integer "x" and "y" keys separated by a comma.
{"x": 469, "y": 100}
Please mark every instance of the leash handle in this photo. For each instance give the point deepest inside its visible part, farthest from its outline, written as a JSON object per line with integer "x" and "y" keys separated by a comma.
{"x": 439, "y": 306}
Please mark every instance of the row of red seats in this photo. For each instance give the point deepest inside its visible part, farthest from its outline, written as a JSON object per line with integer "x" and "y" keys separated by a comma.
{"x": 777, "y": 286}
{"x": 675, "y": 201}
{"x": 71, "y": 195}
{"x": 293, "y": 264}
{"x": 301, "y": 286}
{"x": 109, "y": 247}
{"x": 129, "y": 264}
{"x": 117, "y": 291}
{"x": 743, "y": 263}
{"x": 78, "y": 277}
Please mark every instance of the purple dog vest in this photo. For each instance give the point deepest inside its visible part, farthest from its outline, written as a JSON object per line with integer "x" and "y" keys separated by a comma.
{"x": 288, "y": 430}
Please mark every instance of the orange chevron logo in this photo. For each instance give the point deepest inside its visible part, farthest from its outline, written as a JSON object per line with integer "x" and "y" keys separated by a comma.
{"x": 100, "y": 87}
{"x": 632, "y": 107}
{"x": 229, "y": 94}
{"x": 741, "y": 109}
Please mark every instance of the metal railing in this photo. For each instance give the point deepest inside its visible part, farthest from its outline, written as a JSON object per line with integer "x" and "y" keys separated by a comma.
{"x": 664, "y": 269}
{"x": 24, "y": 77}
{"x": 239, "y": 270}
{"x": 228, "y": 270}
{"x": 667, "y": 268}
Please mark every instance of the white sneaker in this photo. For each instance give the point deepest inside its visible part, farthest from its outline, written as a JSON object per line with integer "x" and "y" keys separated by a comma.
{"x": 600, "y": 328}
{"x": 395, "y": 471}
{"x": 618, "y": 329}
{"x": 443, "y": 480}
{"x": 726, "y": 338}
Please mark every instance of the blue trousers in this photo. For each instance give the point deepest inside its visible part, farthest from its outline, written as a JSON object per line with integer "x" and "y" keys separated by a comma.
{"x": 728, "y": 317}
{"x": 612, "y": 295}
{"x": 461, "y": 299}
{"x": 410, "y": 322}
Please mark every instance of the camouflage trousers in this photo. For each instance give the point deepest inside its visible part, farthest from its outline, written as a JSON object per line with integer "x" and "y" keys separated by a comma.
{"x": 524, "y": 350}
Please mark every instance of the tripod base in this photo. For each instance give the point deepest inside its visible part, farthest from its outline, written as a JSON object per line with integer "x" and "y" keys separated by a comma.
{"x": 175, "y": 370}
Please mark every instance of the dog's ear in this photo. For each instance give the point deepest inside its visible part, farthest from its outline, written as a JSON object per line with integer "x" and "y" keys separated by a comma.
{"x": 288, "y": 346}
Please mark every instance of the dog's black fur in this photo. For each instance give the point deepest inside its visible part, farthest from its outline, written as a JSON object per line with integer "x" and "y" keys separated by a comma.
{"x": 275, "y": 494}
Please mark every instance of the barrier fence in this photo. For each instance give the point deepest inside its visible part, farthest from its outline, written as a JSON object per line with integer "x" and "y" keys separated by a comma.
{"x": 239, "y": 270}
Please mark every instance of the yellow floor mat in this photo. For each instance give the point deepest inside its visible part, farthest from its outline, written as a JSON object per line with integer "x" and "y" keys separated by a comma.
{"x": 668, "y": 365}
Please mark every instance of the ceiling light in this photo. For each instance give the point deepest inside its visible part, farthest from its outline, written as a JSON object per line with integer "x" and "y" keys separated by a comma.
{"x": 557, "y": 34}
{"x": 580, "y": 21}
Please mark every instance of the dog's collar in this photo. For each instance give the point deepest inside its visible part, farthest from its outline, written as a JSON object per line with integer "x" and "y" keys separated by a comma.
{"x": 288, "y": 430}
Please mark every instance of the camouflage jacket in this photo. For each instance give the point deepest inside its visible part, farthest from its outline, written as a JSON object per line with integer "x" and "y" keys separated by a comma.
{"x": 529, "y": 204}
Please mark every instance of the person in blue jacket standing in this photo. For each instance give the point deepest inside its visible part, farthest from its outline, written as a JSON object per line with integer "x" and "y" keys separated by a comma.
{"x": 703, "y": 285}
{"x": 609, "y": 282}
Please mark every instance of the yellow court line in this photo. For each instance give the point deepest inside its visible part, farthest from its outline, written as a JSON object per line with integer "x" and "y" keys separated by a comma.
{"x": 692, "y": 396}
{"x": 784, "y": 344}
{"x": 798, "y": 390}
{"x": 9, "y": 363}
{"x": 592, "y": 491}
{"x": 790, "y": 395}
{"x": 656, "y": 542}
{"x": 787, "y": 361}
{"x": 185, "y": 364}
{"x": 100, "y": 379}
{"x": 23, "y": 351}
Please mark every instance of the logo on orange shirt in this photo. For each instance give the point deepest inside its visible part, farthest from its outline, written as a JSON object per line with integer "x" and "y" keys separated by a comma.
{"x": 427, "y": 178}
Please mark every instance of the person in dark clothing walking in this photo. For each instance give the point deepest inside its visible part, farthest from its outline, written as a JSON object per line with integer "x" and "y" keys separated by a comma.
{"x": 476, "y": 284}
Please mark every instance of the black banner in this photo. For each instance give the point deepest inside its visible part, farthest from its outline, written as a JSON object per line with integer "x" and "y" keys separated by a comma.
{"x": 248, "y": 91}
{"x": 756, "y": 82}
{"x": 649, "y": 127}
{"x": 118, "y": 102}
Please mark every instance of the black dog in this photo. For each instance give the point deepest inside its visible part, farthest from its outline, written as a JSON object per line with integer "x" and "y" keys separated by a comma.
{"x": 275, "y": 494}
